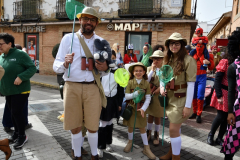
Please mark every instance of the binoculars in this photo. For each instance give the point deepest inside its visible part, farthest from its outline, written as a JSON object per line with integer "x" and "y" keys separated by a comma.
{"x": 84, "y": 65}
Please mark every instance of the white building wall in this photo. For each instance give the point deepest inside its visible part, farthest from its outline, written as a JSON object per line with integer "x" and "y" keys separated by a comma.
{"x": 171, "y": 8}
{"x": 48, "y": 7}
{"x": 8, "y": 8}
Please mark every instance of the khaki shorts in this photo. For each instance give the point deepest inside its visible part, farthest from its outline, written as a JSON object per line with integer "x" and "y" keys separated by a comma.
{"x": 81, "y": 101}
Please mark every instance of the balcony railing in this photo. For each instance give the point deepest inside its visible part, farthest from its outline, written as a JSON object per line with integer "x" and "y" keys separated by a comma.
{"x": 61, "y": 12}
{"x": 27, "y": 10}
{"x": 139, "y": 8}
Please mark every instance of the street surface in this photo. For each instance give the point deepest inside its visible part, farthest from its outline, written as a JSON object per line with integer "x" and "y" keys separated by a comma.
{"x": 48, "y": 140}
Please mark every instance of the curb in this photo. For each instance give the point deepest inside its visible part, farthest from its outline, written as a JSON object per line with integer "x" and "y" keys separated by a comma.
{"x": 44, "y": 85}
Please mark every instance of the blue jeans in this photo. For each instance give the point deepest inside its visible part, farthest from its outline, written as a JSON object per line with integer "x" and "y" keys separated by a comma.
{"x": 7, "y": 121}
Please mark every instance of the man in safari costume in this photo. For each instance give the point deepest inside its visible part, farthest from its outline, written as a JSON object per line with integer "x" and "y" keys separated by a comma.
{"x": 83, "y": 92}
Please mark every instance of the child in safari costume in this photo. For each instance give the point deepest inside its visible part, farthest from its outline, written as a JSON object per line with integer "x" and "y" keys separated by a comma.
{"x": 179, "y": 94}
{"x": 141, "y": 120}
{"x": 154, "y": 110}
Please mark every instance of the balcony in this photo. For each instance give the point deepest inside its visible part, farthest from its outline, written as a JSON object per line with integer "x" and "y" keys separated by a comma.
{"x": 26, "y": 10}
{"x": 139, "y": 8}
{"x": 61, "y": 12}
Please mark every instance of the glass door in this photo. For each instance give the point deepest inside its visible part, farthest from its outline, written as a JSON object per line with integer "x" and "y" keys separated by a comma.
{"x": 138, "y": 39}
{"x": 32, "y": 47}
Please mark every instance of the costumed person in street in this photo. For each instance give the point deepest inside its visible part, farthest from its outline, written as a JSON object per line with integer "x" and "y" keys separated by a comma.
{"x": 154, "y": 111}
{"x": 83, "y": 93}
{"x": 15, "y": 85}
{"x": 180, "y": 98}
{"x": 138, "y": 79}
{"x": 4, "y": 144}
{"x": 114, "y": 94}
{"x": 231, "y": 143}
{"x": 147, "y": 52}
{"x": 119, "y": 59}
{"x": 7, "y": 121}
{"x": 158, "y": 47}
{"x": 217, "y": 57}
{"x": 130, "y": 57}
{"x": 201, "y": 55}
{"x": 219, "y": 100}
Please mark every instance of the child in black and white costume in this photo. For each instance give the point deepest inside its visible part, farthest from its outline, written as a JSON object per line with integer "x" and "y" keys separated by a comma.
{"x": 114, "y": 94}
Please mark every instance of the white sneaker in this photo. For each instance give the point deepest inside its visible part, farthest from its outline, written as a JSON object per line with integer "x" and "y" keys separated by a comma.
{"x": 100, "y": 153}
{"x": 109, "y": 148}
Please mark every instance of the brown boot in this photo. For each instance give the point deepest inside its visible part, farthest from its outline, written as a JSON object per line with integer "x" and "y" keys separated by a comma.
{"x": 156, "y": 138}
{"x": 174, "y": 157}
{"x": 149, "y": 134}
{"x": 78, "y": 158}
{"x": 4, "y": 146}
{"x": 94, "y": 157}
{"x": 148, "y": 152}
{"x": 168, "y": 156}
{"x": 128, "y": 146}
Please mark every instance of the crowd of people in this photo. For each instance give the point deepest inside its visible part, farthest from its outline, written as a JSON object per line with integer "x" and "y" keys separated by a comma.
{"x": 92, "y": 101}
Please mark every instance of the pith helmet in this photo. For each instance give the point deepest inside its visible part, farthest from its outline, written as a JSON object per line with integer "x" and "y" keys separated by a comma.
{"x": 130, "y": 69}
{"x": 89, "y": 11}
{"x": 157, "y": 54}
{"x": 177, "y": 37}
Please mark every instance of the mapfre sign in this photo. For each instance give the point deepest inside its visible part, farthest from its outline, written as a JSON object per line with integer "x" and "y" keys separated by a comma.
{"x": 134, "y": 26}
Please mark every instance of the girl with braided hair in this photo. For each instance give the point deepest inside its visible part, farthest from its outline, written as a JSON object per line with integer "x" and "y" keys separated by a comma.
{"x": 231, "y": 143}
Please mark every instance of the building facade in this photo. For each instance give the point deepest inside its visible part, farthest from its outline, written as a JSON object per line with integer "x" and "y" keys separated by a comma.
{"x": 235, "y": 21}
{"x": 40, "y": 25}
{"x": 221, "y": 30}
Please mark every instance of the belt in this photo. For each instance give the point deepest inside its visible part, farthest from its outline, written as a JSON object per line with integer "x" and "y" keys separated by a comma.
{"x": 92, "y": 82}
{"x": 177, "y": 87}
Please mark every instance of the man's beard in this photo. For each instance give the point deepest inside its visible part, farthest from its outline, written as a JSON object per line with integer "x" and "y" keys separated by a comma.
{"x": 87, "y": 31}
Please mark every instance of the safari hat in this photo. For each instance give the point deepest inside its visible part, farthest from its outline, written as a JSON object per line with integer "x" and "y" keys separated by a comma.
{"x": 130, "y": 69}
{"x": 157, "y": 54}
{"x": 2, "y": 71}
{"x": 177, "y": 37}
{"x": 89, "y": 11}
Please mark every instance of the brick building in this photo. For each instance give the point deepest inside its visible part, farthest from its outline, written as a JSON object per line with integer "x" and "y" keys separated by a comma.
{"x": 39, "y": 25}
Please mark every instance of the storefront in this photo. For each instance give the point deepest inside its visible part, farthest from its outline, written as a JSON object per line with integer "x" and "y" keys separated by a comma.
{"x": 40, "y": 39}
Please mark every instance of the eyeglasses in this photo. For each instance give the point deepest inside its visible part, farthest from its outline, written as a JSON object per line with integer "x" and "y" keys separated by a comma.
{"x": 176, "y": 43}
{"x": 2, "y": 44}
{"x": 86, "y": 19}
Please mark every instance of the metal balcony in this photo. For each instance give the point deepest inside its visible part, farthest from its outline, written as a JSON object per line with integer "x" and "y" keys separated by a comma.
{"x": 139, "y": 8}
{"x": 61, "y": 12}
{"x": 27, "y": 10}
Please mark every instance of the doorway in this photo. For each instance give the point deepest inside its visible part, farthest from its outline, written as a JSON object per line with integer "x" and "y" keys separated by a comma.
{"x": 32, "y": 46}
{"x": 138, "y": 39}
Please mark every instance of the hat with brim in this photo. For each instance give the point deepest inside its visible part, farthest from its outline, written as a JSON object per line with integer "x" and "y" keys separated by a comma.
{"x": 157, "y": 54}
{"x": 176, "y": 37}
{"x": 130, "y": 69}
{"x": 90, "y": 11}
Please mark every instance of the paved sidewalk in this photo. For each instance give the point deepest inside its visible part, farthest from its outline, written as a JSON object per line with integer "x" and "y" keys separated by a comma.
{"x": 49, "y": 141}
{"x": 49, "y": 81}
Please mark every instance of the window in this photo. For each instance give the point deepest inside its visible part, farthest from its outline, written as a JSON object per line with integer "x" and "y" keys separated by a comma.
{"x": 140, "y": 5}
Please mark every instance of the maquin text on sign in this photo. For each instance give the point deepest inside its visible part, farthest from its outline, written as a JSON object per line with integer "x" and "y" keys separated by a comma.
{"x": 134, "y": 26}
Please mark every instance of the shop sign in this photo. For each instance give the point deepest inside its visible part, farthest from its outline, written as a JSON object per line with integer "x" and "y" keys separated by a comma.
{"x": 134, "y": 26}
{"x": 21, "y": 29}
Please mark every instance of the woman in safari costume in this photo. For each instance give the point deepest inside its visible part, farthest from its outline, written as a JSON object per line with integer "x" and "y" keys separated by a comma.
{"x": 154, "y": 110}
{"x": 180, "y": 97}
{"x": 138, "y": 79}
